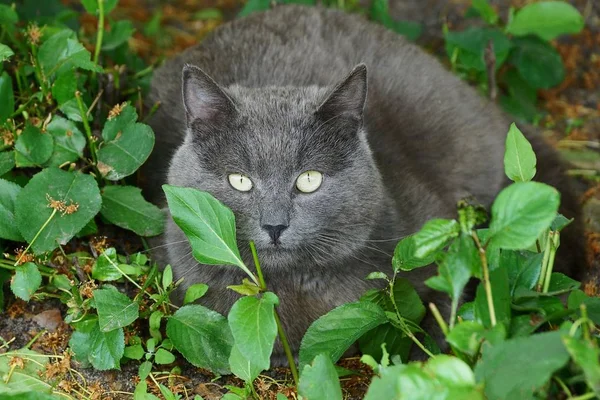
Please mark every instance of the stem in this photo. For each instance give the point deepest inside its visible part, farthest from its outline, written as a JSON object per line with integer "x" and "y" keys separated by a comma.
{"x": 486, "y": 279}
{"x": 583, "y": 397}
{"x": 540, "y": 283}
{"x": 88, "y": 131}
{"x": 403, "y": 327}
{"x": 280, "y": 331}
{"x": 36, "y": 236}
{"x": 586, "y": 325}
{"x": 555, "y": 242}
{"x": 100, "y": 34}
{"x": 38, "y": 71}
{"x": 438, "y": 318}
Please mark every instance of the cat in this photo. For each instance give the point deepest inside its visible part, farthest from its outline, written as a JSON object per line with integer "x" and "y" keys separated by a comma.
{"x": 330, "y": 138}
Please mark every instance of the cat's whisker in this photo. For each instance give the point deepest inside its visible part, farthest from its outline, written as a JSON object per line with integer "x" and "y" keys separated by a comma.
{"x": 334, "y": 240}
{"x": 163, "y": 245}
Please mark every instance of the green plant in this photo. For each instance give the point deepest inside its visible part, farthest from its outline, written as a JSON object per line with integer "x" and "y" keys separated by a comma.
{"x": 523, "y": 58}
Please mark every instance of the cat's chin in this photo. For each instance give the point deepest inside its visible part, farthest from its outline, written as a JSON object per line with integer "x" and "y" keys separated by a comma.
{"x": 277, "y": 257}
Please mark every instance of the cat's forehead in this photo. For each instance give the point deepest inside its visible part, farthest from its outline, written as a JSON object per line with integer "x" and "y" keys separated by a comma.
{"x": 277, "y": 101}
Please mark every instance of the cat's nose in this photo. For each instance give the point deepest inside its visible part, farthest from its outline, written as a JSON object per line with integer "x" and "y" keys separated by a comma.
{"x": 274, "y": 231}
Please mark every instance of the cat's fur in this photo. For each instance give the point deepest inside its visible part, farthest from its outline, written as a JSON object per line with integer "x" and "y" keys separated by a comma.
{"x": 283, "y": 103}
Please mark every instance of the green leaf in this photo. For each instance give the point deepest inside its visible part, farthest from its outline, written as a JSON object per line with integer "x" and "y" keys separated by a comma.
{"x": 26, "y": 281}
{"x": 7, "y": 161}
{"x": 194, "y": 292}
{"x": 520, "y": 213}
{"x": 7, "y": 98}
{"x": 333, "y": 333}
{"x": 538, "y": 62}
{"x": 32, "y": 208}
{"x": 125, "y": 207}
{"x": 163, "y": 356}
{"x": 501, "y": 299}
{"x": 523, "y": 268}
{"x": 486, "y": 11}
{"x": 395, "y": 342}
{"x": 115, "y": 310}
{"x": 167, "y": 277}
{"x": 17, "y": 381}
{"x": 122, "y": 156}
{"x": 8, "y": 16}
{"x": 404, "y": 256}
{"x": 103, "y": 350}
{"x": 466, "y": 337}
{"x": 587, "y": 356}
{"x": 578, "y": 297}
{"x": 560, "y": 283}
{"x": 63, "y": 52}
{"x": 145, "y": 369}
{"x": 104, "y": 269}
{"x": 242, "y": 367}
{"x": 69, "y": 142}
{"x": 560, "y": 222}
{"x": 434, "y": 235}
{"x": 507, "y": 369}
{"x": 115, "y": 125}
{"x": 64, "y": 88}
{"x": 5, "y": 52}
{"x": 154, "y": 325}
{"x": 35, "y": 145}
{"x": 469, "y": 47}
{"x": 254, "y": 6}
{"x": 252, "y": 323}
{"x": 91, "y": 6}
{"x": 247, "y": 288}
{"x": 547, "y": 19}
{"x": 135, "y": 352}
{"x": 8, "y": 197}
{"x": 208, "y": 224}
{"x": 202, "y": 336}
{"x": 320, "y": 380}
{"x": 519, "y": 158}
{"x": 119, "y": 33}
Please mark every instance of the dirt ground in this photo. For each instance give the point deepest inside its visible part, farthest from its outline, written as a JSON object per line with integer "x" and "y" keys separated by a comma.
{"x": 574, "y": 114}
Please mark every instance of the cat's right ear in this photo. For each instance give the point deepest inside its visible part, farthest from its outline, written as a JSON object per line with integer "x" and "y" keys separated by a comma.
{"x": 203, "y": 99}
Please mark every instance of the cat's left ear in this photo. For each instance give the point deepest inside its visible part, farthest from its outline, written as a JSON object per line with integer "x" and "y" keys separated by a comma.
{"x": 348, "y": 97}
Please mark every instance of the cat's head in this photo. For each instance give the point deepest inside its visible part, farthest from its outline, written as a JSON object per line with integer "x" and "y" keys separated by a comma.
{"x": 293, "y": 164}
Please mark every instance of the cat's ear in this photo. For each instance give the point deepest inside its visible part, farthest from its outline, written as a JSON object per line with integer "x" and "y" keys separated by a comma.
{"x": 203, "y": 99}
{"x": 348, "y": 97}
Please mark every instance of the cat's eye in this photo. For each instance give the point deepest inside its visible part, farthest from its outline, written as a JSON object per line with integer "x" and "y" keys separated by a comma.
{"x": 309, "y": 181}
{"x": 240, "y": 182}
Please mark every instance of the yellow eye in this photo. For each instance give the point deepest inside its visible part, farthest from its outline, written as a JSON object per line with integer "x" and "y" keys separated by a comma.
{"x": 240, "y": 182}
{"x": 309, "y": 181}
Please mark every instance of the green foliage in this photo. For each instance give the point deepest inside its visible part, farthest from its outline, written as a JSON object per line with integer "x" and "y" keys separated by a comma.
{"x": 546, "y": 19}
{"x": 519, "y": 158}
{"x": 26, "y": 281}
{"x": 320, "y": 380}
{"x": 125, "y": 207}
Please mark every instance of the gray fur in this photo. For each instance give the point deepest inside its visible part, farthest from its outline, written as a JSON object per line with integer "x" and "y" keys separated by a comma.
{"x": 282, "y": 103}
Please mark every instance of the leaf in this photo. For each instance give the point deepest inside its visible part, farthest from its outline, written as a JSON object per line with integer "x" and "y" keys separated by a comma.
{"x": 69, "y": 142}
{"x": 560, "y": 222}
{"x": 379, "y": 12}
{"x": 466, "y": 337}
{"x": 91, "y": 6}
{"x": 252, "y": 323}
{"x": 486, "y": 11}
{"x": 16, "y": 380}
{"x": 586, "y": 355}
{"x": 523, "y": 268}
{"x": 202, "y": 336}
{"x": 500, "y": 298}
{"x": 208, "y": 224}
{"x": 194, "y": 292}
{"x": 242, "y": 367}
{"x": 396, "y": 343}
{"x": 32, "y": 208}
{"x": 560, "y": 283}
{"x": 254, "y": 6}
{"x": 519, "y": 158}
{"x": 26, "y": 281}
{"x": 468, "y": 47}
{"x": 119, "y": 33}
{"x": 404, "y": 256}
{"x": 5, "y": 52}
{"x": 104, "y": 267}
{"x": 333, "y": 333}
{"x": 538, "y": 62}
{"x": 115, "y": 125}
{"x": 7, "y": 98}
{"x": 115, "y": 310}
{"x": 103, "y": 350}
{"x": 7, "y": 161}
{"x": 507, "y": 371}
{"x": 8, "y": 197}
{"x": 578, "y": 297}
{"x": 167, "y": 277}
{"x": 145, "y": 369}
{"x": 520, "y": 213}
{"x": 122, "y": 156}
{"x": 34, "y": 145}
{"x": 546, "y": 19}
{"x": 125, "y": 207}
{"x": 63, "y": 52}
{"x": 434, "y": 235}
{"x": 320, "y": 380}
{"x": 64, "y": 88}
{"x": 163, "y": 356}
{"x": 8, "y": 16}
{"x": 135, "y": 352}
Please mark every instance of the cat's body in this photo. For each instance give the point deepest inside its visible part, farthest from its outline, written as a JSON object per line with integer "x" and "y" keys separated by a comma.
{"x": 434, "y": 140}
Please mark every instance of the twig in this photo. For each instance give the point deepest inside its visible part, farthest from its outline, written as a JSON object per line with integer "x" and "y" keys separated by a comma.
{"x": 490, "y": 64}
{"x": 486, "y": 279}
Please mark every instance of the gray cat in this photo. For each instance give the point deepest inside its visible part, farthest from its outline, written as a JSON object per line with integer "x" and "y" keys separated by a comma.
{"x": 330, "y": 138}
